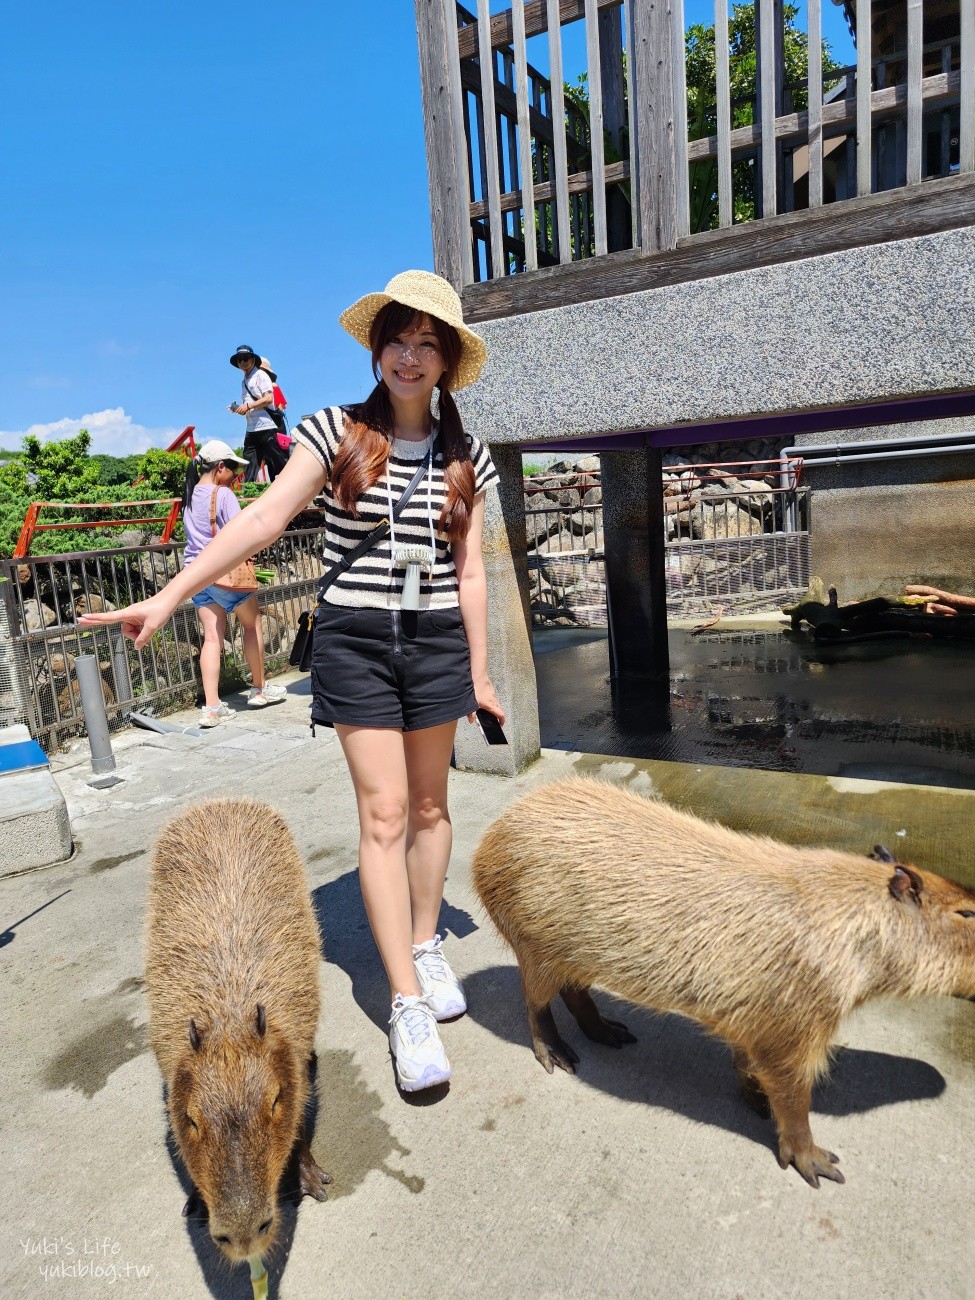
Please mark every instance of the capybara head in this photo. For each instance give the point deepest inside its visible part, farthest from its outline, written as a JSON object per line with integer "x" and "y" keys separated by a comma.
{"x": 235, "y": 1107}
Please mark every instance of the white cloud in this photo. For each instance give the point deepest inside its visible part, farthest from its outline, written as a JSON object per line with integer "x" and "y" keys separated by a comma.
{"x": 113, "y": 348}
{"x": 113, "y": 433}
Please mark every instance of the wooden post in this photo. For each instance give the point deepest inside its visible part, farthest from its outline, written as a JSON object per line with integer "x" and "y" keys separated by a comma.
{"x": 633, "y": 538}
{"x": 443, "y": 124}
{"x": 653, "y": 147}
{"x": 618, "y": 231}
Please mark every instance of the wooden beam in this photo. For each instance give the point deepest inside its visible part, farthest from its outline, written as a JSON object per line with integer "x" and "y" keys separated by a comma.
{"x": 935, "y": 91}
{"x": 596, "y": 143}
{"x": 536, "y": 22}
{"x": 524, "y": 137}
{"x": 723, "y": 88}
{"x": 815, "y": 99}
{"x": 489, "y": 125}
{"x": 864, "y": 131}
{"x": 652, "y": 148}
{"x": 443, "y": 124}
{"x": 906, "y": 213}
{"x": 559, "y": 151}
{"x": 765, "y": 20}
{"x": 506, "y": 102}
{"x": 915, "y": 75}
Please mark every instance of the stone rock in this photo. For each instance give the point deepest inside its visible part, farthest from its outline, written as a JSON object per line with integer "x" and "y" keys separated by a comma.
{"x": 92, "y": 605}
{"x": 587, "y": 465}
{"x": 37, "y": 616}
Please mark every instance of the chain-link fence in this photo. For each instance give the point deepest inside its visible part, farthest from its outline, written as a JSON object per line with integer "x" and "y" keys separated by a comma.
{"x": 44, "y": 595}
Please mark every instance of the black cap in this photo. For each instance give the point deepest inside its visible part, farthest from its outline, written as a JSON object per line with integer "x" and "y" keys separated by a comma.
{"x": 244, "y": 352}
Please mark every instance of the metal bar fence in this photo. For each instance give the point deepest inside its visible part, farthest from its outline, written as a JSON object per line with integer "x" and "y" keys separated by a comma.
{"x": 729, "y": 549}
{"x": 40, "y": 638}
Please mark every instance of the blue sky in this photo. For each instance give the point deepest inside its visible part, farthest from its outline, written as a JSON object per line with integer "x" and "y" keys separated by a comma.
{"x": 183, "y": 178}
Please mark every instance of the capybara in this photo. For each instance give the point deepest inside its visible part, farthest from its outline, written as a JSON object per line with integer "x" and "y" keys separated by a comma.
{"x": 767, "y": 945}
{"x": 232, "y": 979}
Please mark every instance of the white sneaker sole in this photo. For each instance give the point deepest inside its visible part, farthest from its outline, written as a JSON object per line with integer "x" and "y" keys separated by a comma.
{"x": 452, "y": 1011}
{"x": 430, "y": 1078}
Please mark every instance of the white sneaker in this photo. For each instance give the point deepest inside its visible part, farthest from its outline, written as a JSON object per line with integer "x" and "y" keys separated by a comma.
{"x": 267, "y": 694}
{"x": 438, "y": 983}
{"x": 213, "y": 717}
{"x": 414, "y": 1041}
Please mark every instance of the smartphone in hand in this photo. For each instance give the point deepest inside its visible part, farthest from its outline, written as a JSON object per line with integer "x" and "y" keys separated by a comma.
{"x": 490, "y": 728}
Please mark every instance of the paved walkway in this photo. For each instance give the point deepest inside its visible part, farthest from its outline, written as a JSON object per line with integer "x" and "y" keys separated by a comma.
{"x": 643, "y": 1176}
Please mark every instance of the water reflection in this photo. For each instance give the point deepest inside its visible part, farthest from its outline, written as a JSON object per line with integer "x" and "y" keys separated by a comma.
{"x": 889, "y": 710}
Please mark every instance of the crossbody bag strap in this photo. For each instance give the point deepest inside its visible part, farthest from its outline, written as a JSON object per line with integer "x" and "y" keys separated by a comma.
{"x": 213, "y": 511}
{"x": 377, "y": 534}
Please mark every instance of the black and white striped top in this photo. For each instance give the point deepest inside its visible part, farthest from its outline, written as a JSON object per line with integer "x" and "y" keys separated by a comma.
{"x": 373, "y": 582}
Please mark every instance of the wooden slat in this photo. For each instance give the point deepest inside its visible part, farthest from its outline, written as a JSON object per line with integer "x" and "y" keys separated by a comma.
{"x": 564, "y": 244}
{"x": 649, "y": 48}
{"x": 682, "y": 198}
{"x": 815, "y": 95}
{"x": 723, "y": 86}
{"x": 506, "y": 102}
{"x": 536, "y": 21}
{"x": 576, "y": 183}
{"x": 443, "y": 120}
{"x": 766, "y": 13}
{"x": 858, "y": 222}
{"x": 524, "y": 135}
{"x": 966, "y": 135}
{"x": 631, "y": 123}
{"x": 489, "y": 128}
{"x": 889, "y": 102}
{"x": 864, "y": 135}
{"x": 915, "y": 70}
{"x": 596, "y": 143}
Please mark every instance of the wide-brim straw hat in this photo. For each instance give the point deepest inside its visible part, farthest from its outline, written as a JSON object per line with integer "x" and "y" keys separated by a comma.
{"x": 432, "y": 295}
{"x": 265, "y": 365}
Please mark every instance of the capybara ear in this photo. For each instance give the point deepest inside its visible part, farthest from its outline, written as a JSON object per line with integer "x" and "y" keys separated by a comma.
{"x": 195, "y": 1038}
{"x": 882, "y": 854}
{"x": 261, "y": 1021}
{"x": 905, "y": 881}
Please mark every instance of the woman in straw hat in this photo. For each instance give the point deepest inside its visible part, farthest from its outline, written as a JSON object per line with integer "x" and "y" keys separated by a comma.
{"x": 392, "y": 680}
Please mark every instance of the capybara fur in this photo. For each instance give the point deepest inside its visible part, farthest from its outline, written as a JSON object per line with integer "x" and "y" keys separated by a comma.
{"x": 232, "y": 979}
{"x": 766, "y": 945}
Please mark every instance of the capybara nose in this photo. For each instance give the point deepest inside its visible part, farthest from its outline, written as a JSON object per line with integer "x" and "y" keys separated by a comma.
{"x": 242, "y": 1236}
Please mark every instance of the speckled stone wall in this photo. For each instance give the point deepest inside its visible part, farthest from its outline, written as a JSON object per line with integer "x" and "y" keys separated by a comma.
{"x": 891, "y": 320}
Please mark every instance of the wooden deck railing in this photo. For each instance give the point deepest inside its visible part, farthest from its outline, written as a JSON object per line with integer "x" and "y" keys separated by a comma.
{"x": 524, "y": 177}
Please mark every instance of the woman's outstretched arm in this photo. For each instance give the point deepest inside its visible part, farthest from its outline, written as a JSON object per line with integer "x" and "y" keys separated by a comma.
{"x": 257, "y": 526}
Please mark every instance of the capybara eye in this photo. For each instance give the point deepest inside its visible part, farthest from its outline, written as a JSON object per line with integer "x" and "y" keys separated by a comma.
{"x": 967, "y": 915}
{"x": 223, "y": 1240}
{"x": 274, "y": 1103}
{"x": 265, "y": 1227}
{"x": 192, "y": 1123}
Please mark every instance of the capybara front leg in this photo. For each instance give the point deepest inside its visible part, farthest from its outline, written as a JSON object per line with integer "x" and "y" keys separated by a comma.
{"x": 591, "y": 1020}
{"x": 789, "y": 1097}
{"x": 751, "y": 1089}
{"x": 539, "y": 988}
{"x": 549, "y": 1047}
{"x": 311, "y": 1178}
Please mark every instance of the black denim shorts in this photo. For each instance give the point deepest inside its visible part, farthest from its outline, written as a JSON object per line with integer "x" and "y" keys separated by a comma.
{"x": 387, "y": 668}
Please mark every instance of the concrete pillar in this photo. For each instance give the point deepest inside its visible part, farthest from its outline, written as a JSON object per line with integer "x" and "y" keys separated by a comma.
{"x": 633, "y": 530}
{"x": 510, "y": 660}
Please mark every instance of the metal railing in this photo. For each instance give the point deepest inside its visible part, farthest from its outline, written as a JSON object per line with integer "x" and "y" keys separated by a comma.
{"x": 42, "y": 596}
{"x": 730, "y": 548}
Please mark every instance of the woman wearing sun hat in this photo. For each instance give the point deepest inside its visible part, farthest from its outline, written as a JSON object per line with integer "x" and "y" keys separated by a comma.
{"x": 393, "y": 681}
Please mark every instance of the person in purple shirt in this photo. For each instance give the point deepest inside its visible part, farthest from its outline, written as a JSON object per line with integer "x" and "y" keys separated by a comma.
{"x": 212, "y": 471}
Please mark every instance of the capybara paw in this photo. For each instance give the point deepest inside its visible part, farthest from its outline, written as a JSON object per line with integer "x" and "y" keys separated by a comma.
{"x": 312, "y": 1180}
{"x": 813, "y": 1163}
{"x": 557, "y": 1053}
{"x": 611, "y": 1033}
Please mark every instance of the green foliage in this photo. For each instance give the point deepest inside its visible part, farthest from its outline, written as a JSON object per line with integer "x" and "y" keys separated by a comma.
{"x": 116, "y": 471}
{"x": 65, "y": 472}
{"x": 163, "y": 473}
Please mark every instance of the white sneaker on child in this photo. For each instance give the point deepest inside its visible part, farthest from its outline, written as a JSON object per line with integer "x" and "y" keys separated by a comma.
{"x": 213, "y": 717}
{"x": 438, "y": 983}
{"x": 414, "y": 1041}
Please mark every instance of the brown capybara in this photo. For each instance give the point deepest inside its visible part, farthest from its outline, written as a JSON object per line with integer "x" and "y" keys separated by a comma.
{"x": 767, "y": 945}
{"x": 232, "y": 979}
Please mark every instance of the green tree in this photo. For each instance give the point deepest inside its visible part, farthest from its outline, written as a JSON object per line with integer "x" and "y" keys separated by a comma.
{"x": 59, "y": 471}
{"x": 161, "y": 473}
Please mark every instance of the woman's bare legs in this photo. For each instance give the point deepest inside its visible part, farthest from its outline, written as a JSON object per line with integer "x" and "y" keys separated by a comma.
{"x": 377, "y": 765}
{"x": 214, "y": 622}
{"x": 400, "y": 782}
{"x": 429, "y": 833}
{"x": 249, "y": 615}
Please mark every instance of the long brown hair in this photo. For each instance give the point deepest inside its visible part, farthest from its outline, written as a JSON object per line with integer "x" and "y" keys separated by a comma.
{"x": 361, "y": 458}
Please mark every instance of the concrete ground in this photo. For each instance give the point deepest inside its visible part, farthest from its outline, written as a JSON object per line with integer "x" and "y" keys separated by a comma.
{"x": 645, "y": 1175}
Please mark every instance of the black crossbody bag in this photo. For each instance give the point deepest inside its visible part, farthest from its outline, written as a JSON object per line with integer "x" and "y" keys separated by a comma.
{"x": 301, "y": 651}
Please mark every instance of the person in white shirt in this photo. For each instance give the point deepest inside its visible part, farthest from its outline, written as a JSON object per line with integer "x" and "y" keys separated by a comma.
{"x": 256, "y": 396}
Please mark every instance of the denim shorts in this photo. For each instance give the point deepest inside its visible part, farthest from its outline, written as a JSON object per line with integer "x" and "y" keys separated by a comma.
{"x": 222, "y": 596}
{"x": 388, "y": 668}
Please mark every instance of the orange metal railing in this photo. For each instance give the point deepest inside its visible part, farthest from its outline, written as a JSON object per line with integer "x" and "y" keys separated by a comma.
{"x": 31, "y": 526}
